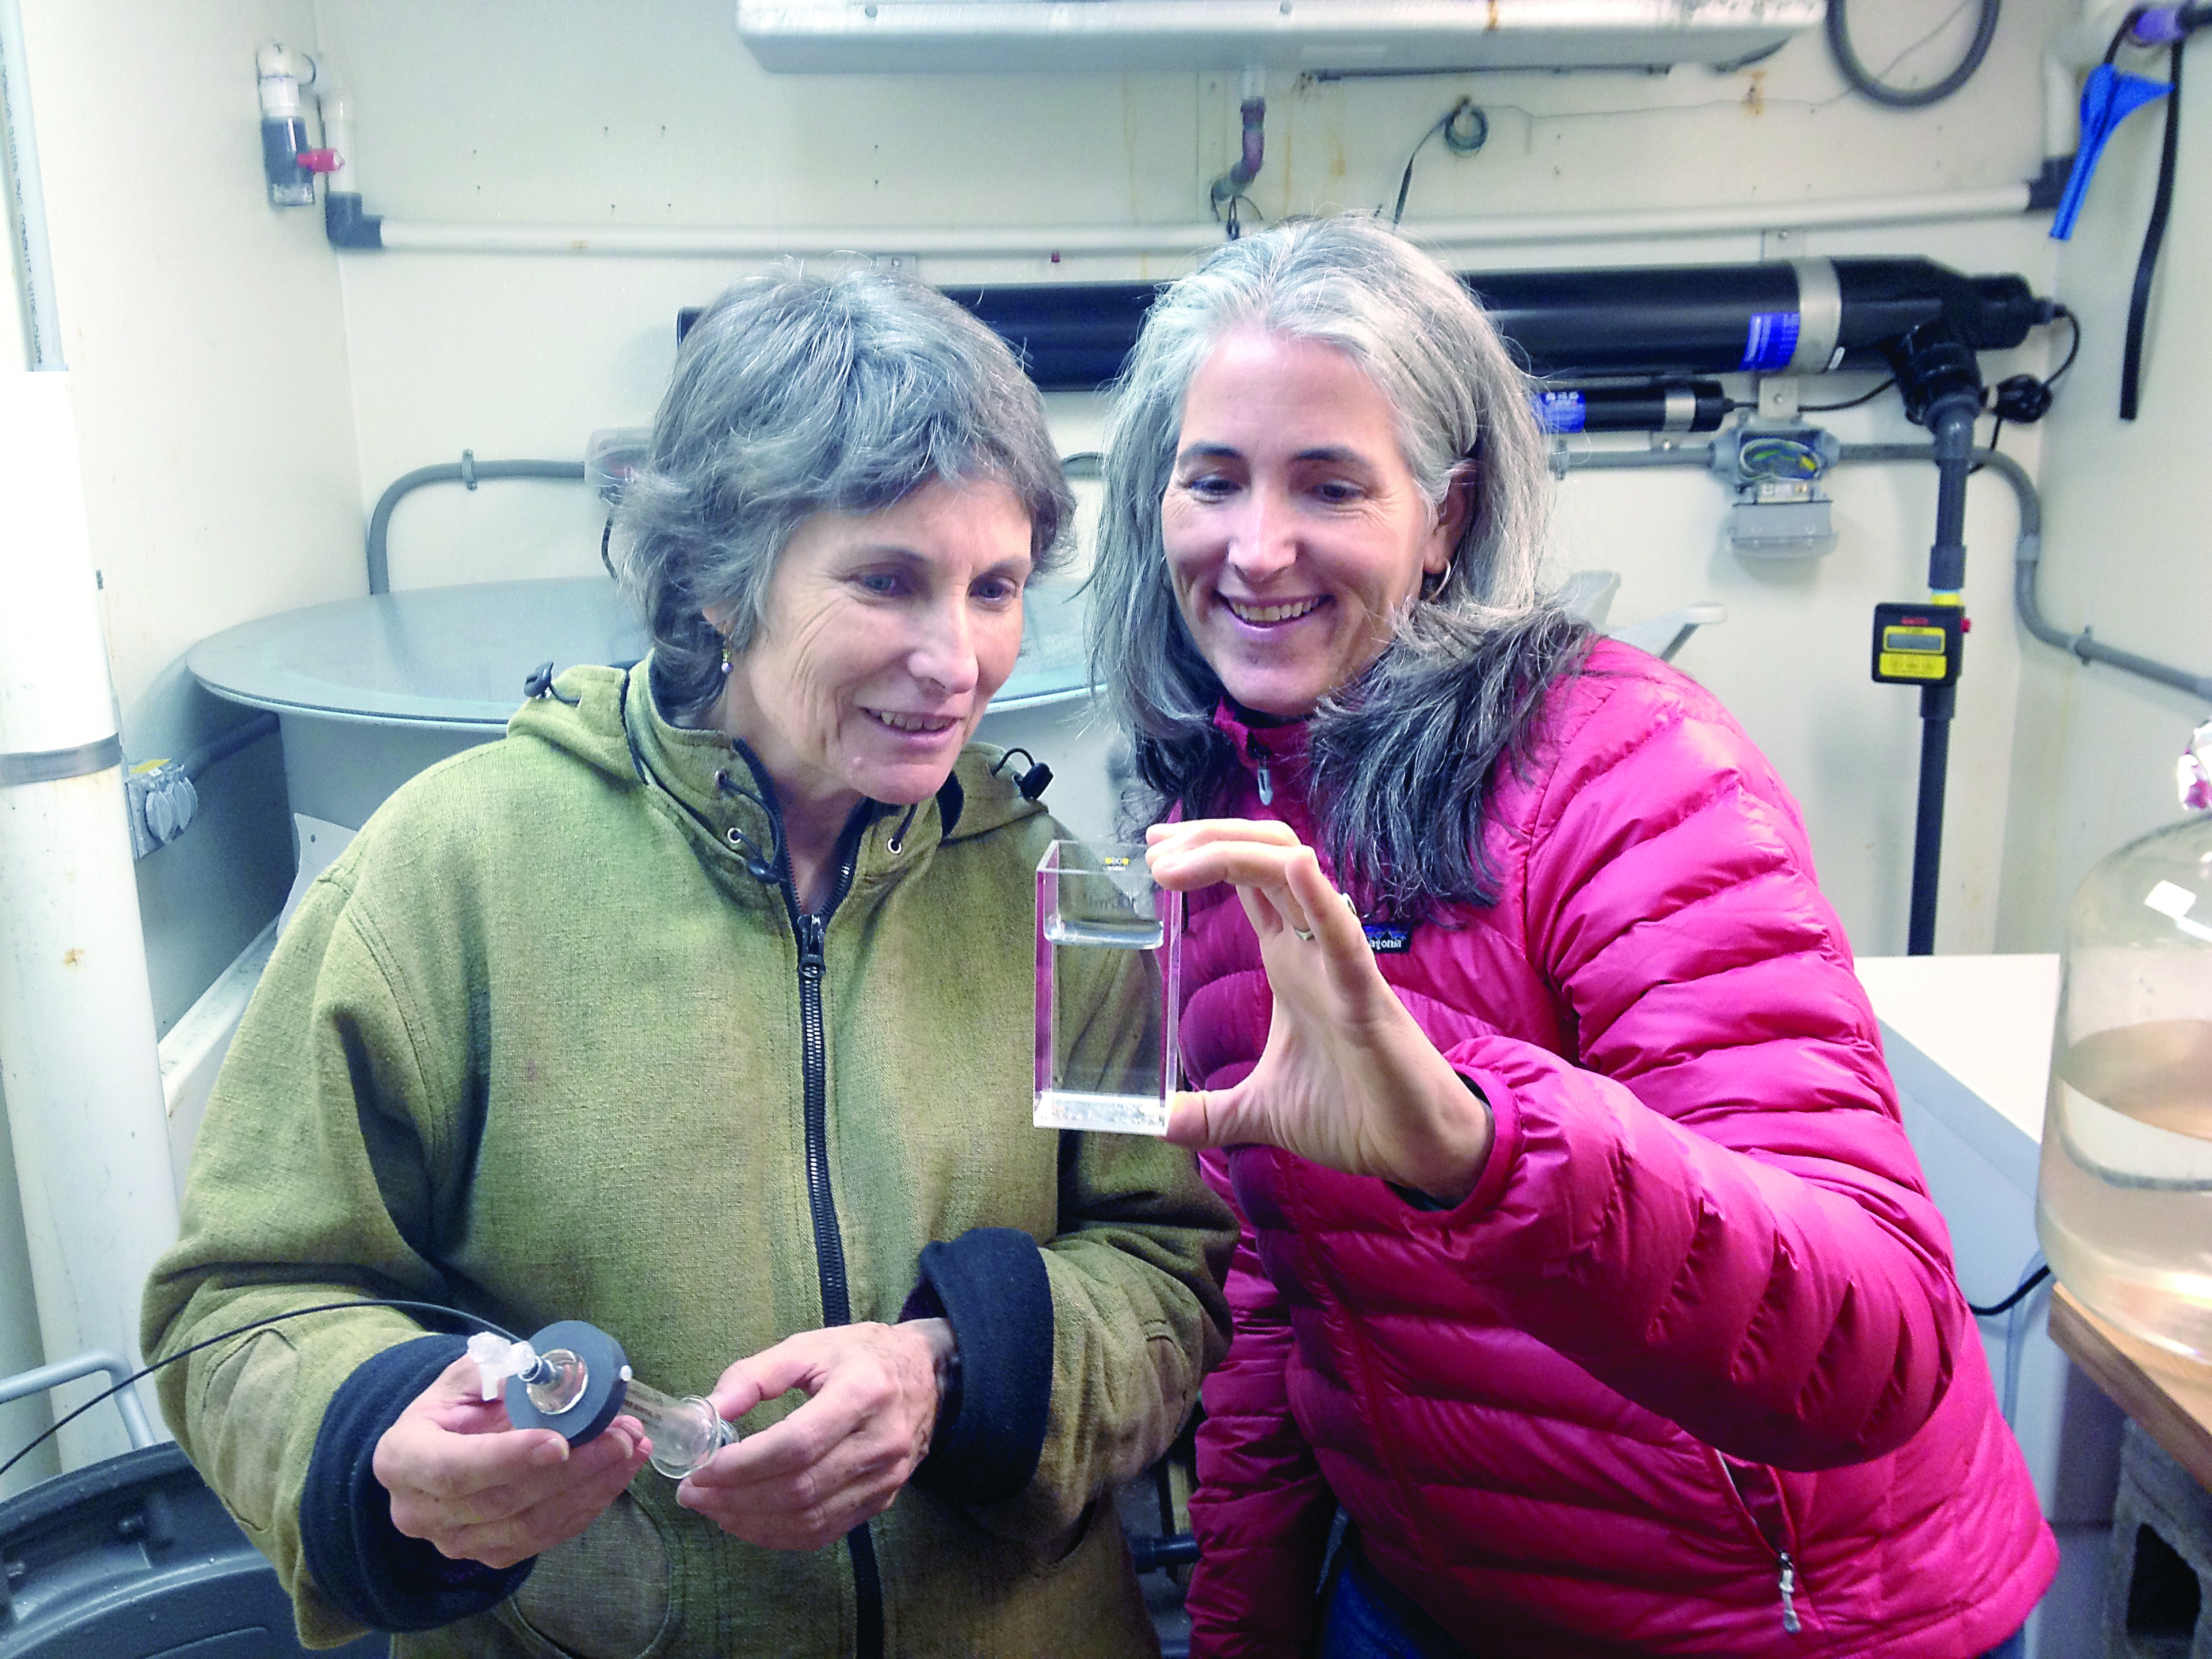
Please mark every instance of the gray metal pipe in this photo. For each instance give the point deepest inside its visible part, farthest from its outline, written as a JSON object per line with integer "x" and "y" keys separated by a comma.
{"x": 27, "y": 197}
{"x": 68, "y": 1370}
{"x": 468, "y": 470}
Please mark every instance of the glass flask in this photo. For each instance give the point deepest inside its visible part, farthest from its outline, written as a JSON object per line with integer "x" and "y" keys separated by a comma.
{"x": 2123, "y": 1205}
{"x": 1107, "y": 965}
{"x": 573, "y": 1378}
{"x": 684, "y": 1433}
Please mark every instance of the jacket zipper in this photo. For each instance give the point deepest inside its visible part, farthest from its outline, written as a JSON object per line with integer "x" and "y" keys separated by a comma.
{"x": 811, "y": 928}
{"x": 1260, "y": 758}
{"x": 1785, "y": 1565}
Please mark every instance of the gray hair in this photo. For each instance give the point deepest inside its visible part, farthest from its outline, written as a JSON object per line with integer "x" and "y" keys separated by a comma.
{"x": 797, "y": 394}
{"x": 1401, "y": 760}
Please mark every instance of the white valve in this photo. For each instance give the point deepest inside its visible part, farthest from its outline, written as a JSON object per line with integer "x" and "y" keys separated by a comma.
{"x": 497, "y": 1359}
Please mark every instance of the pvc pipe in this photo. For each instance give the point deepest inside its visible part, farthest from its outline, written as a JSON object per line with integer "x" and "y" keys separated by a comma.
{"x": 2074, "y": 48}
{"x": 2062, "y": 105}
{"x": 27, "y": 197}
{"x": 78, "y": 1060}
{"x": 335, "y": 107}
{"x": 984, "y": 241}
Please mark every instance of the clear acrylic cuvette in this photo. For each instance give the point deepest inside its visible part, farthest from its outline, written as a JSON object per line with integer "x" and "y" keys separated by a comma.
{"x": 1108, "y": 972}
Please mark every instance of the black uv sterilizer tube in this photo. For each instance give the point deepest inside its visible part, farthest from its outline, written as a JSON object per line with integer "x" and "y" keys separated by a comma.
{"x": 1781, "y": 317}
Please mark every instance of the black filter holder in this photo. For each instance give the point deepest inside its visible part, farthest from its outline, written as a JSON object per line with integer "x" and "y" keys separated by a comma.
{"x": 606, "y": 1383}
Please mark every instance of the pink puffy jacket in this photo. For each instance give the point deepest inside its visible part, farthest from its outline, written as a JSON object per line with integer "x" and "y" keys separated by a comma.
{"x": 1687, "y": 1373}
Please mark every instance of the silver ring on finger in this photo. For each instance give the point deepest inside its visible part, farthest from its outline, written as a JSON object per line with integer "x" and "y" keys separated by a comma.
{"x": 1302, "y": 932}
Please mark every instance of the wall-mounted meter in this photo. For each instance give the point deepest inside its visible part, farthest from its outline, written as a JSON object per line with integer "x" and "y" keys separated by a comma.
{"x": 1289, "y": 36}
{"x": 1918, "y": 644}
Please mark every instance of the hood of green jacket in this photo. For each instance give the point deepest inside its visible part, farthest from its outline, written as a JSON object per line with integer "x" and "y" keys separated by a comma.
{"x": 717, "y": 790}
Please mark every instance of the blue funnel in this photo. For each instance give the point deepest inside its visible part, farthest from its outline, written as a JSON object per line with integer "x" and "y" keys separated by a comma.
{"x": 2108, "y": 98}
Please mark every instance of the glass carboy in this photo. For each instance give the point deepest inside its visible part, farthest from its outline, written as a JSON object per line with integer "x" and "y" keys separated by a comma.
{"x": 2124, "y": 1203}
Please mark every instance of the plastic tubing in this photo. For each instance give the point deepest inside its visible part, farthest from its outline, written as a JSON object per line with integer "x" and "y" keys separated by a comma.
{"x": 1864, "y": 82}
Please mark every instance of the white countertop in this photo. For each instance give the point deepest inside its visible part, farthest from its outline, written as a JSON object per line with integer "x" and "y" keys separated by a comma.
{"x": 1985, "y": 1020}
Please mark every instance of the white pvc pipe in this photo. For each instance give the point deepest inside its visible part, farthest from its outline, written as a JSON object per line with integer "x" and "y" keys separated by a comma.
{"x": 337, "y": 111}
{"x": 2076, "y": 45}
{"x": 26, "y": 195}
{"x": 78, "y": 1060}
{"x": 983, "y": 241}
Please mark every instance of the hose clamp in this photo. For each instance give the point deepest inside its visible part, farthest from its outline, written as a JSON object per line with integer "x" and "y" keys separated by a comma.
{"x": 1820, "y": 316}
{"x": 52, "y": 765}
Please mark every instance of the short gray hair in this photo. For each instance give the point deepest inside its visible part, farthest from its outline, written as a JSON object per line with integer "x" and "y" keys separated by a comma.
{"x": 1416, "y": 738}
{"x": 796, "y": 394}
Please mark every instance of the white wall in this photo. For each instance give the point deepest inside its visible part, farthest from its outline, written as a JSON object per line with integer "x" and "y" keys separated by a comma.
{"x": 2125, "y": 505}
{"x": 512, "y": 112}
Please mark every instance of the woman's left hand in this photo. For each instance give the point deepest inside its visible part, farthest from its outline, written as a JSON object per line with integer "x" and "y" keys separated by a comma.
{"x": 1348, "y": 1078}
{"x": 842, "y": 1457}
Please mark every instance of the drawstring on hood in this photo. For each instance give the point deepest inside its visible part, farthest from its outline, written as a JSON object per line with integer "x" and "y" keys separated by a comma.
{"x": 761, "y": 866}
{"x": 897, "y": 839}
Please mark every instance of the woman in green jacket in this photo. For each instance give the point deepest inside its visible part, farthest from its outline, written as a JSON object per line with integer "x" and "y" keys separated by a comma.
{"x": 699, "y": 1008}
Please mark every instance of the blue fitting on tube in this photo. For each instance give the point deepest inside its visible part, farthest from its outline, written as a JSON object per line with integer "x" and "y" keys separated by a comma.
{"x": 2108, "y": 98}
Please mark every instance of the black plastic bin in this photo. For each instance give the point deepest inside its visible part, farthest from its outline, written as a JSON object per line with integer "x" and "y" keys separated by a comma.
{"x": 134, "y": 1558}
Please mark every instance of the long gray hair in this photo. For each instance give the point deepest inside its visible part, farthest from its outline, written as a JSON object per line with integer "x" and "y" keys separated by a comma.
{"x": 1401, "y": 758}
{"x": 798, "y": 394}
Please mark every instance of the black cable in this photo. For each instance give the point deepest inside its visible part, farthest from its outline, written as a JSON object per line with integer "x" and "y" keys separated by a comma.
{"x": 60, "y": 1422}
{"x": 2073, "y": 351}
{"x": 2012, "y": 1301}
{"x": 1232, "y": 222}
{"x": 1867, "y": 398}
{"x": 2119, "y": 34}
{"x": 1477, "y": 136}
{"x": 606, "y": 536}
{"x": 2153, "y": 238}
{"x": 1863, "y": 81}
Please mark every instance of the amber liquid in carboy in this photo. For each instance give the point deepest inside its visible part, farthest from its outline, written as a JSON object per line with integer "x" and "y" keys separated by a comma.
{"x": 2124, "y": 1207}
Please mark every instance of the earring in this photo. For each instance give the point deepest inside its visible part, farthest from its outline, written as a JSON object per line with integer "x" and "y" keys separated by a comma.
{"x": 1433, "y": 585}
{"x": 728, "y": 663}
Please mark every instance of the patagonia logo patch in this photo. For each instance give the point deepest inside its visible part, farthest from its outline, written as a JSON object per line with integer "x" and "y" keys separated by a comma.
{"x": 1389, "y": 941}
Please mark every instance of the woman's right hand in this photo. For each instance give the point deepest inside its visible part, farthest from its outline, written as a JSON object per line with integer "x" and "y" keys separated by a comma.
{"x": 1348, "y": 1078}
{"x": 479, "y": 1489}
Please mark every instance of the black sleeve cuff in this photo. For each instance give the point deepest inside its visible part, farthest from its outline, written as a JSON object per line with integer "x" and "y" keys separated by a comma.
{"x": 365, "y": 1566}
{"x": 992, "y": 1285}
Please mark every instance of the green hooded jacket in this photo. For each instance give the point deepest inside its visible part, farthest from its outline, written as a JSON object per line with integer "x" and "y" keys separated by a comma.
{"x": 535, "y": 1047}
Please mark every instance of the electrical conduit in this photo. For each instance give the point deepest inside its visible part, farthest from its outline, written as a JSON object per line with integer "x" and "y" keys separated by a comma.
{"x": 2027, "y": 553}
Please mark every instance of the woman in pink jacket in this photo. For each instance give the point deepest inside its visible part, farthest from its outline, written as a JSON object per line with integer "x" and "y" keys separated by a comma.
{"x": 1586, "y": 1265}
